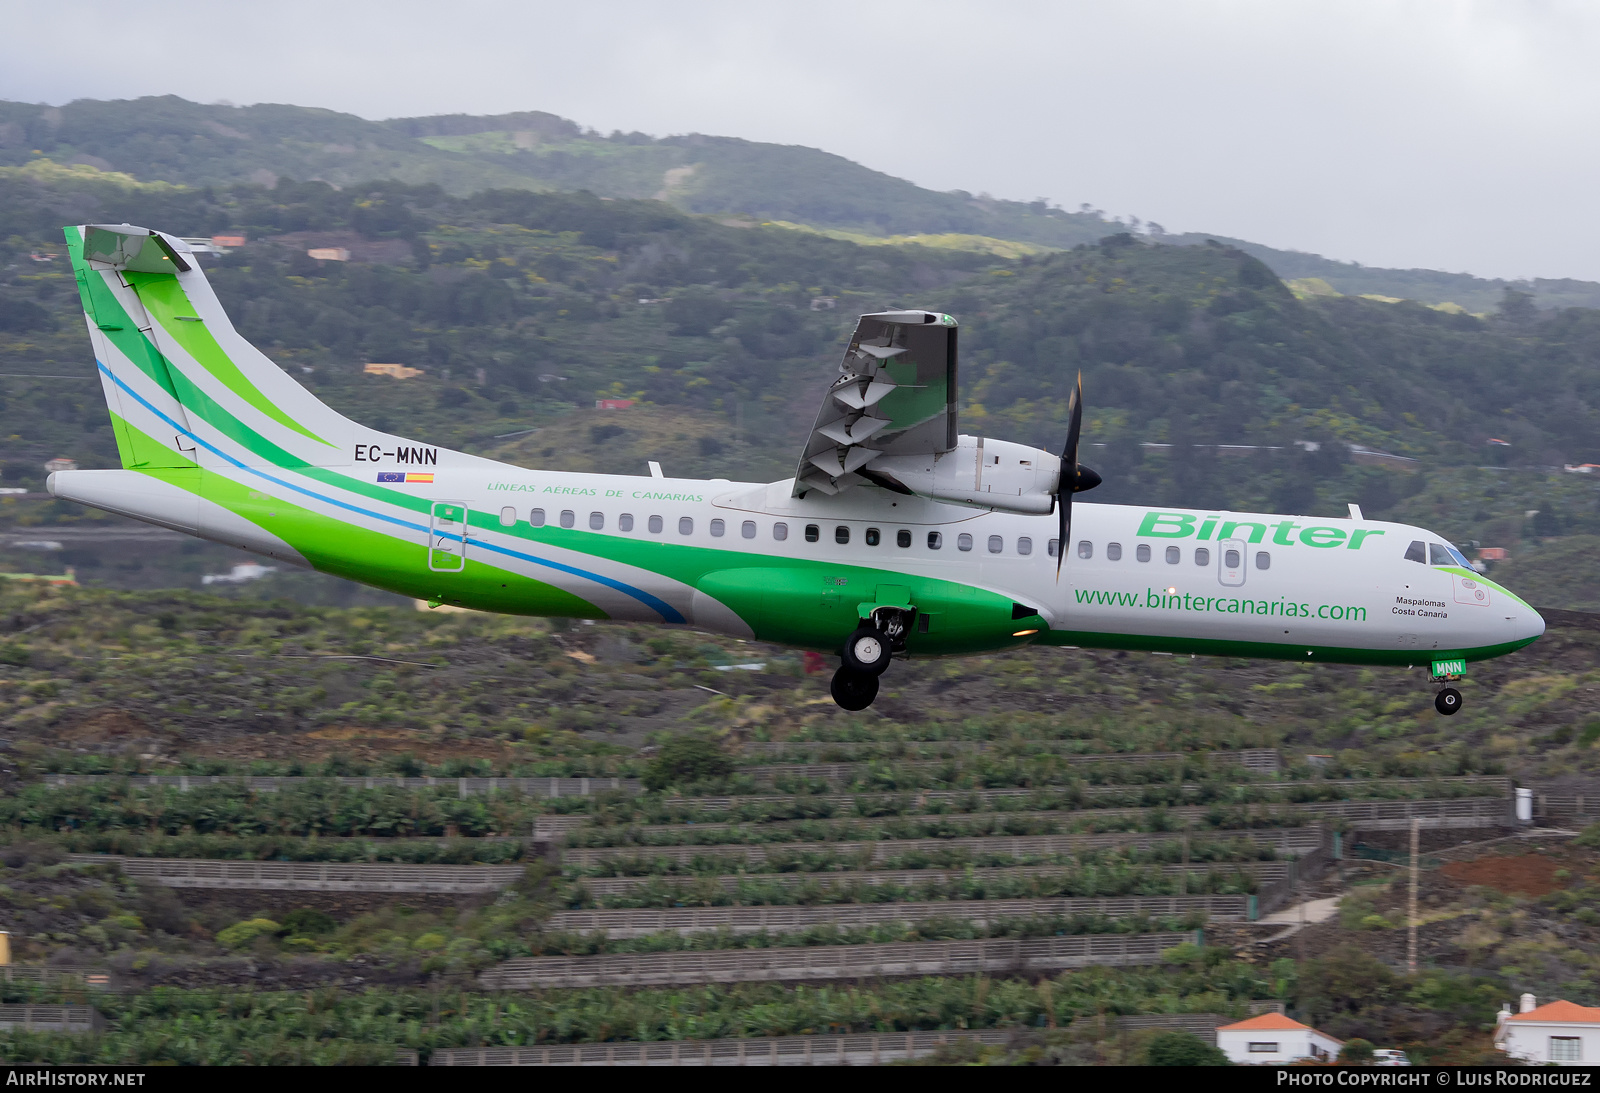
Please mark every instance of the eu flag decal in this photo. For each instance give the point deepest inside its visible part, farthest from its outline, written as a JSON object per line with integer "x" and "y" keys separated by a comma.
{"x": 391, "y": 476}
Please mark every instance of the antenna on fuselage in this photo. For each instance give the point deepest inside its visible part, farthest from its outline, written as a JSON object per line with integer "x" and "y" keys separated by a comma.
{"x": 655, "y": 469}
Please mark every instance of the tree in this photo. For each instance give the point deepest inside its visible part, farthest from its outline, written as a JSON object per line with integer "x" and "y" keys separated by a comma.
{"x": 1356, "y": 1052}
{"x": 1180, "y": 1047}
{"x": 687, "y": 759}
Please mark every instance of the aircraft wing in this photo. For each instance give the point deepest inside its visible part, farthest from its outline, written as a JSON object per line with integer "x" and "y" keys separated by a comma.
{"x": 895, "y": 395}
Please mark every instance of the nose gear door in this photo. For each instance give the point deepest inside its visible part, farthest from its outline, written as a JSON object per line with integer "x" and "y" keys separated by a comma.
{"x": 447, "y": 536}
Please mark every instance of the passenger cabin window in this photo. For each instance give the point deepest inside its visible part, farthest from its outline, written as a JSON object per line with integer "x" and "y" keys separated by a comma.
{"x": 685, "y": 525}
{"x": 1142, "y": 552}
{"x": 748, "y": 529}
{"x": 1202, "y": 556}
{"x": 963, "y": 541}
{"x": 996, "y": 544}
{"x": 1263, "y": 560}
{"x": 1174, "y": 555}
{"x": 874, "y": 537}
{"x": 656, "y": 525}
{"x": 1113, "y": 552}
{"x": 813, "y": 533}
{"x": 1439, "y": 554}
{"x": 1085, "y": 549}
{"x": 718, "y": 528}
{"x": 1230, "y": 559}
{"x": 625, "y": 522}
{"x": 568, "y": 518}
{"x": 935, "y": 540}
{"x": 508, "y": 516}
{"x": 902, "y": 538}
{"x": 841, "y": 534}
{"x": 536, "y": 518}
{"x": 780, "y": 531}
{"x": 1417, "y": 552}
{"x": 597, "y": 521}
{"x": 1024, "y": 546}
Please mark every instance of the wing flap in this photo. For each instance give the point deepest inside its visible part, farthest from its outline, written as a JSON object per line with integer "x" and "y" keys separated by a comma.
{"x": 896, "y": 393}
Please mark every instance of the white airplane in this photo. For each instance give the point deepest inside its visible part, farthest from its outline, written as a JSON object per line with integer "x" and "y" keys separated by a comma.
{"x": 897, "y": 536}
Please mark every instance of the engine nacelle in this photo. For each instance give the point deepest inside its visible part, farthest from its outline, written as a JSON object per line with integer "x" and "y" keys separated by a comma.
{"x": 986, "y": 474}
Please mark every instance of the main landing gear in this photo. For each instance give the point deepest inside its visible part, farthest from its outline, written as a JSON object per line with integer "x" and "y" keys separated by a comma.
{"x": 1447, "y": 701}
{"x": 866, "y": 655}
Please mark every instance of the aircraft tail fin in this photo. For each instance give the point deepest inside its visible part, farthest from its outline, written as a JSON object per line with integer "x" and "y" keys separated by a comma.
{"x": 184, "y": 388}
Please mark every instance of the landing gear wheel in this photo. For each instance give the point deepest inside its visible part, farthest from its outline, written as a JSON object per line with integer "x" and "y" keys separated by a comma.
{"x": 867, "y": 651}
{"x": 853, "y": 690}
{"x": 1448, "y": 701}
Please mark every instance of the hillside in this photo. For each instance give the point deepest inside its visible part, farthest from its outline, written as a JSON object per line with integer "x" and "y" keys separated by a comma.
{"x": 171, "y": 139}
{"x": 969, "y": 785}
{"x": 522, "y": 309}
{"x": 175, "y": 140}
{"x": 1427, "y": 286}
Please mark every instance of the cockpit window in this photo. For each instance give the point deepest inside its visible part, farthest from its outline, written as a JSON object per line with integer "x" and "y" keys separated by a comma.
{"x": 1417, "y": 552}
{"x": 1461, "y": 559}
{"x": 1439, "y": 554}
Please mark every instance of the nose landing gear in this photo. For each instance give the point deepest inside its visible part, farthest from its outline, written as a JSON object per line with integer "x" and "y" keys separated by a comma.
{"x": 866, "y": 656}
{"x": 1448, "y": 700}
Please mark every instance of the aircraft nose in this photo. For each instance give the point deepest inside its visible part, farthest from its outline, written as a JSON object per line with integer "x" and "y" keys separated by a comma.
{"x": 1530, "y": 625}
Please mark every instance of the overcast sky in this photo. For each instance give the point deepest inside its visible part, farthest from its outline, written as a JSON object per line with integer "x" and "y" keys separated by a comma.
{"x": 1436, "y": 133}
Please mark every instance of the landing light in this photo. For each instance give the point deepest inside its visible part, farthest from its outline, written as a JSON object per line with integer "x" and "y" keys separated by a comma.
{"x": 1173, "y": 591}
{"x": 1024, "y": 633}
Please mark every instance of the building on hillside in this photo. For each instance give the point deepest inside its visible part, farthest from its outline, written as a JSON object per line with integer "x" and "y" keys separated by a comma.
{"x": 1273, "y": 1039}
{"x": 612, "y": 403}
{"x": 329, "y": 254}
{"x": 394, "y": 371}
{"x": 223, "y": 242}
{"x": 1557, "y": 1033}
{"x": 60, "y": 463}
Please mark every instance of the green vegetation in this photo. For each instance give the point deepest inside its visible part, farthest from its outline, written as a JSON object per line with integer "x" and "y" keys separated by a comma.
{"x": 144, "y": 681}
{"x": 1180, "y": 1048}
{"x": 687, "y": 759}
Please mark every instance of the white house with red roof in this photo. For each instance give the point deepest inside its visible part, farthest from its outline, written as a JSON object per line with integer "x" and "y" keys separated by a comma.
{"x": 1272, "y": 1038}
{"x": 1561, "y": 1032}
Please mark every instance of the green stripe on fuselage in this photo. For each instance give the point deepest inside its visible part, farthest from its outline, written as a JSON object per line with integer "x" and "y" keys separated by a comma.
{"x": 1266, "y": 650}
{"x": 163, "y": 297}
{"x": 385, "y": 561}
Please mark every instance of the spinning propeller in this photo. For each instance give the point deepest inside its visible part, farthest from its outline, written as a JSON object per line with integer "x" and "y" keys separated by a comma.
{"x": 1075, "y": 477}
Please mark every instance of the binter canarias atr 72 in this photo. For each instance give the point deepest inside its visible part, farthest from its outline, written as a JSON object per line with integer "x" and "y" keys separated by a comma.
{"x": 898, "y": 536}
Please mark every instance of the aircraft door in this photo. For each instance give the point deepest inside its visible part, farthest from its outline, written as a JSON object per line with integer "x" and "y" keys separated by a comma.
{"x": 447, "y": 537}
{"x": 1232, "y": 558}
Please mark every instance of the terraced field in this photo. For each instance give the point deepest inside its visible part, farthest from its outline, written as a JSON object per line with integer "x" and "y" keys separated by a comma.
{"x": 801, "y": 879}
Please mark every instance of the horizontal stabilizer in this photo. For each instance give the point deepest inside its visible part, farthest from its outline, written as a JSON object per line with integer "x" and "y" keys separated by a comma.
{"x": 123, "y": 246}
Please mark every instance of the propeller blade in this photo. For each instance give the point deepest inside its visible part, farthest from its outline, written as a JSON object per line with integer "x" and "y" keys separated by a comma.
{"x": 1067, "y": 484}
{"x": 1063, "y": 524}
{"x": 1070, "y": 452}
